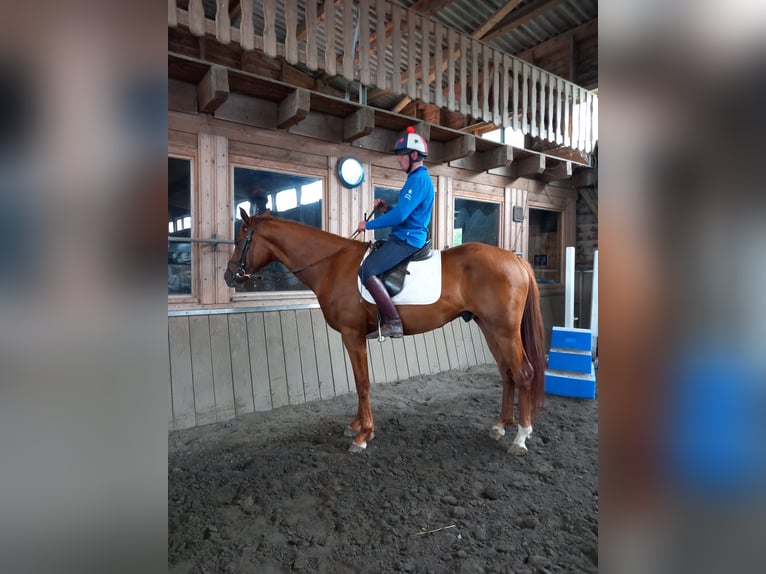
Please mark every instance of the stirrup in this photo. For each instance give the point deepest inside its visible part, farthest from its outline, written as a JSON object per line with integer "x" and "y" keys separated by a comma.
{"x": 377, "y": 334}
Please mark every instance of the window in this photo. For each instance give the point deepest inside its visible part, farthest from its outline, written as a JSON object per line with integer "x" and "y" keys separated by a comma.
{"x": 294, "y": 197}
{"x": 545, "y": 245}
{"x": 179, "y": 226}
{"x": 391, "y": 197}
{"x": 476, "y": 221}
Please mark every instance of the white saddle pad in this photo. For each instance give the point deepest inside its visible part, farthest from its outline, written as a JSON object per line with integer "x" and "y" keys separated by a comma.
{"x": 422, "y": 286}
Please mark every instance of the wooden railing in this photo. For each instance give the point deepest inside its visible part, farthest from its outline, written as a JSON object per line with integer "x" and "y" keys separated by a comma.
{"x": 378, "y": 43}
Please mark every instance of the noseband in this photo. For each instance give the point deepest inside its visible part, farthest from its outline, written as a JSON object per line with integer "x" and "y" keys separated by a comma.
{"x": 241, "y": 274}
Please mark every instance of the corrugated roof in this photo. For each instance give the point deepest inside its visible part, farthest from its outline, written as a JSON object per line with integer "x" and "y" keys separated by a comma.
{"x": 469, "y": 15}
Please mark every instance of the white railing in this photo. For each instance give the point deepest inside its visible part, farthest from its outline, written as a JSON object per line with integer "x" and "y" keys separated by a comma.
{"x": 380, "y": 44}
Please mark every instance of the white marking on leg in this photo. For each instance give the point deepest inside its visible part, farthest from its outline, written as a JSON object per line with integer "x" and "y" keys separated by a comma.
{"x": 519, "y": 443}
{"x": 497, "y": 431}
{"x": 357, "y": 448}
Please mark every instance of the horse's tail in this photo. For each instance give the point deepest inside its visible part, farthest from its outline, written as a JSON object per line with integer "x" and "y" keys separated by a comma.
{"x": 532, "y": 331}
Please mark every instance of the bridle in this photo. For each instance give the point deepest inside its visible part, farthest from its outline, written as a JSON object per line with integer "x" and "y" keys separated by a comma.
{"x": 242, "y": 275}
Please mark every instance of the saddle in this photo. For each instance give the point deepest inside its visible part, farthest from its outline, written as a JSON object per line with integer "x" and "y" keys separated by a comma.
{"x": 393, "y": 280}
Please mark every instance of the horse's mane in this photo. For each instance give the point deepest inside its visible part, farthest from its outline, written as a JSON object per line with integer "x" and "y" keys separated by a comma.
{"x": 313, "y": 233}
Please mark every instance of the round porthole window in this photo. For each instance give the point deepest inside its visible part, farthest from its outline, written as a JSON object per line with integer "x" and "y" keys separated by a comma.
{"x": 351, "y": 172}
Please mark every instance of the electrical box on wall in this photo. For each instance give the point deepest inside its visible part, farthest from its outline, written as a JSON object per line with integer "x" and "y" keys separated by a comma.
{"x": 518, "y": 213}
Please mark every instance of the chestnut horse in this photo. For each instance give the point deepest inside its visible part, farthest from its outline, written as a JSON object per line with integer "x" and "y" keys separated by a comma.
{"x": 493, "y": 286}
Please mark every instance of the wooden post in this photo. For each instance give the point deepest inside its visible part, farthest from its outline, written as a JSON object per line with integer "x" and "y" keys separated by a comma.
{"x": 291, "y": 25}
{"x": 329, "y": 33}
{"x": 364, "y": 42}
{"x": 222, "y": 22}
{"x": 438, "y": 37}
{"x": 196, "y": 18}
{"x": 269, "y": 29}
{"x": 380, "y": 39}
{"x": 172, "y": 14}
{"x": 247, "y": 29}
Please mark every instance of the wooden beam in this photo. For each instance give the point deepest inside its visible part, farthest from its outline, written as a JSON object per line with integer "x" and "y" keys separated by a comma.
{"x": 359, "y": 124}
{"x": 458, "y": 148}
{"x": 558, "y": 170}
{"x": 182, "y": 96}
{"x": 585, "y": 178}
{"x": 380, "y": 139}
{"x": 423, "y": 129}
{"x": 561, "y": 42}
{"x": 590, "y": 198}
{"x": 249, "y": 111}
{"x": 528, "y": 167}
{"x": 500, "y": 156}
{"x": 319, "y": 126}
{"x": 213, "y": 89}
{"x": 492, "y": 21}
{"x": 401, "y": 105}
{"x": 294, "y": 108}
{"x": 521, "y": 17}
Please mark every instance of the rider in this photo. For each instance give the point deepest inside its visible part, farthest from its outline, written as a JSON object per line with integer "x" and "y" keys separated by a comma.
{"x": 408, "y": 220}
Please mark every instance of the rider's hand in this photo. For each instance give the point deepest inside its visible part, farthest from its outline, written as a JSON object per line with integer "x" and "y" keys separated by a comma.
{"x": 381, "y": 205}
{"x": 361, "y": 227}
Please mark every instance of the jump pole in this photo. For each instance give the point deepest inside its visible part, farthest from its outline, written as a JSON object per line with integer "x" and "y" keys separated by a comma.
{"x": 594, "y": 304}
{"x": 569, "y": 288}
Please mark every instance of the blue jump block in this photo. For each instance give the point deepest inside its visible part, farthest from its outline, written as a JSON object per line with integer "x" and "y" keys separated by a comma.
{"x": 572, "y": 361}
{"x": 571, "y": 339}
{"x": 568, "y": 384}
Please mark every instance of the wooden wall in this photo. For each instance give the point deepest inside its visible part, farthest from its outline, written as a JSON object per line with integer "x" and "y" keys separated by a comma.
{"x": 227, "y": 365}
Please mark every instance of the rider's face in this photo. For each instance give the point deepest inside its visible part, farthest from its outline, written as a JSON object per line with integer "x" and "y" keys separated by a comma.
{"x": 404, "y": 162}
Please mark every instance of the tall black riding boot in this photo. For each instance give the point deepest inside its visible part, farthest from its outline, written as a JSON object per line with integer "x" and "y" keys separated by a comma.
{"x": 391, "y": 324}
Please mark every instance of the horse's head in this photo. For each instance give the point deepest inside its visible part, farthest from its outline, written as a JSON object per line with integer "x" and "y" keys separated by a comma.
{"x": 249, "y": 254}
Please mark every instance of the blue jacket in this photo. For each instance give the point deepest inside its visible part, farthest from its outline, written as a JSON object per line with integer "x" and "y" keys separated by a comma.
{"x": 410, "y": 218}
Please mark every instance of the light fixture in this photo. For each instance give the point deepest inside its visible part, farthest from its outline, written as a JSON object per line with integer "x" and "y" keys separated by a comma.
{"x": 350, "y": 172}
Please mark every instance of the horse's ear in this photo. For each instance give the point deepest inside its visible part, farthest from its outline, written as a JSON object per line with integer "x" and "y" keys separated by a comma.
{"x": 266, "y": 213}
{"x": 245, "y": 216}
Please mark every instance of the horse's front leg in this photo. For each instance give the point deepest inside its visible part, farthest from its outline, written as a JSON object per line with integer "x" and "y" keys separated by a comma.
{"x": 362, "y": 425}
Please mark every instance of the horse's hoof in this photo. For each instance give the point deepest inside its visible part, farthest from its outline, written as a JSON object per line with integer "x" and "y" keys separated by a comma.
{"x": 517, "y": 450}
{"x": 356, "y": 448}
{"x": 497, "y": 432}
{"x": 350, "y": 432}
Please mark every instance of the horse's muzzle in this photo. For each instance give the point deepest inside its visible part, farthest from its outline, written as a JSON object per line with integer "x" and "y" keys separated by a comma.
{"x": 230, "y": 278}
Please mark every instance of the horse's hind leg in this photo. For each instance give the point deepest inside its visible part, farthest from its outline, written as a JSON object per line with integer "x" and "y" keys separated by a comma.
{"x": 515, "y": 369}
{"x": 523, "y": 374}
{"x": 506, "y": 410}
